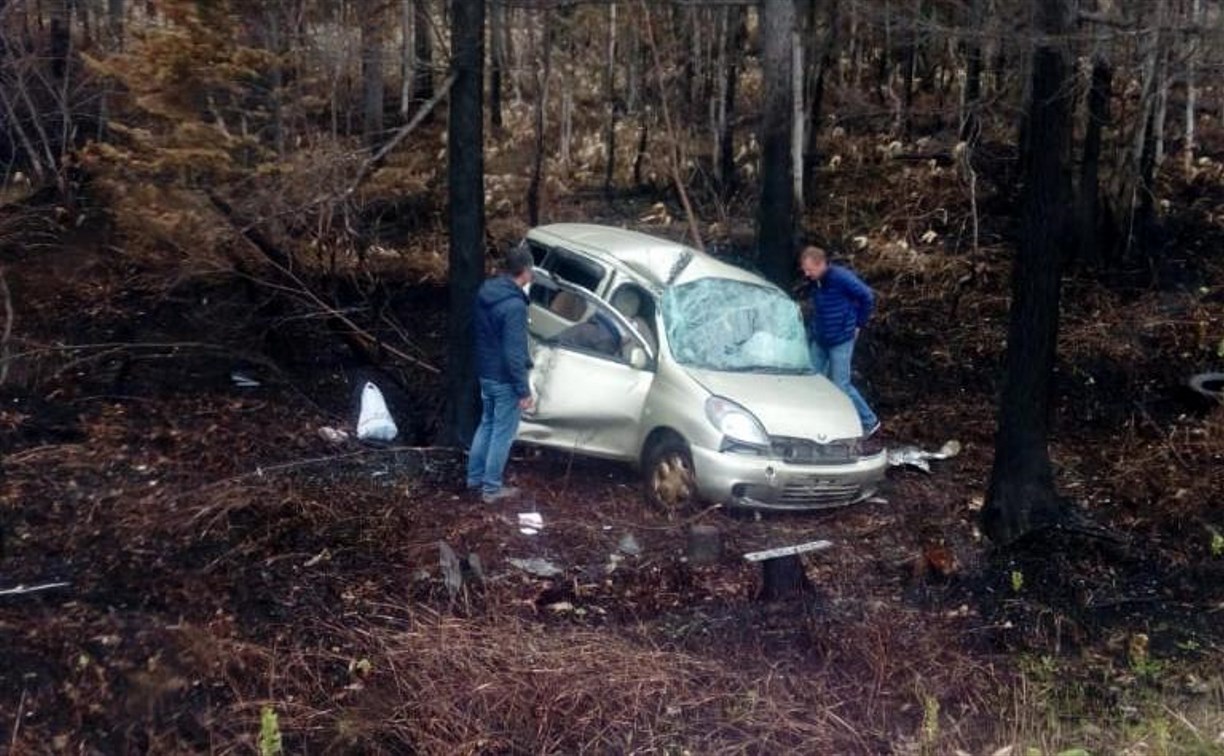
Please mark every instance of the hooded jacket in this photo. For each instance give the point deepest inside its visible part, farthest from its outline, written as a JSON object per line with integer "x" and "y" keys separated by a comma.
{"x": 500, "y": 325}
{"x": 841, "y": 303}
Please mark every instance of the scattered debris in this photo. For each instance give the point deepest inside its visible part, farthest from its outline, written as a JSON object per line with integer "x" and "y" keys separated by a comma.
{"x": 476, "y": 566}
{"x": 242, "y": 380}
{"x": 614, "y": 561}
{"x": 530, "y": 523}
{"x": 538, "y": 567}
{"x": 333, "y": 435}
{"x": 322, "y": 556}
{"x": 782, "y": 551}
{"x": 452, "y": 571}
{"x": 374, "y": 421}
{"x": 629, "y": 545}
{"x": 913, "y": 456}
{"x": 24, "y": 589}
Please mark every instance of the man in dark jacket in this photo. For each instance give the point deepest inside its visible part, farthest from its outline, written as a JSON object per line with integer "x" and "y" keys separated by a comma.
{"x": 841, "y": 305}
{"x": 502, "y": 363}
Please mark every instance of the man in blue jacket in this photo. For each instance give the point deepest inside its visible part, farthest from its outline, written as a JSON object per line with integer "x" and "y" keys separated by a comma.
{"x": 502, "y": 363}
{"x": 841, "y": 305}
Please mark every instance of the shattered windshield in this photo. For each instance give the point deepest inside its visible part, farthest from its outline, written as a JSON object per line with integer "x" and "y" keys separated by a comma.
{"x": 722, "y": 324}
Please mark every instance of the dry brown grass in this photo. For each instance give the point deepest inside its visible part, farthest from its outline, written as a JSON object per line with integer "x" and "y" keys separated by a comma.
{"x": 433, "y": 683}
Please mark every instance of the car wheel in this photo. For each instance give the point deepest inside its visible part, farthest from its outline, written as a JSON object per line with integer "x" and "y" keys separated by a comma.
{"x": 671, "y": 483}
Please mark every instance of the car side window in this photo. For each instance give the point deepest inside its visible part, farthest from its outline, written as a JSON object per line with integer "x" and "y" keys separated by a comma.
{"x": 567, "y": 267}
{"x": 637, "y": 306}
{"x": 576, "y": 270}
{"x": 597, "y": 330}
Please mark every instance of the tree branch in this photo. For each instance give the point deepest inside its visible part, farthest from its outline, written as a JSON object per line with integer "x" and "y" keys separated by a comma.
{"x": 673, "y": 152}
{"x": 376, "y": 159}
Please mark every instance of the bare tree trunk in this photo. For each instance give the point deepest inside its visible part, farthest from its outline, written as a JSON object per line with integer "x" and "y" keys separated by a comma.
{"x": 855, "y": 47}
{"x": 815, "y": 107}
{"x": 276, "y": 39}
{"x": 1192, "y": 57}
{"x": 884, "y": 63}
{"x": 776, "y": 218}
{"x": 114, "y": 22}
{"x": 728, "y": 84}
{"x": 1022, "y": 498}
{"x": 537, "y": 168}
{"x": 567, "y": 113}
{"x": 717, "y": 102}
{"x": 1089, "y": 200}
{"x": 372, "y": 91}
{"x": 514, "y": 53}
{"x": 910, "y": 70}
{"x": 1130, "y": 176}
{"x": 465, "y": 187}
{"x": 613, "y": 107}
{"x": 406, "y": 52}
{"x": 798, "y": 113}
{"x": 639, "y": 158}
{"x": 422, "y": 41}
{"x": 1160, "y": 117}
{"x": 971, "y": 96}
{"x": 497, "y": 61}
{"x": 568, "y": 80}
{"x": 60, "y": 12}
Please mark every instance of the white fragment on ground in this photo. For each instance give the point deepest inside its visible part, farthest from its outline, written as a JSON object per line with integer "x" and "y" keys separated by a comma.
{"x": 530, "y": 523}
{"x": 333, "y": 435}
{"x": 913, "y": 456}
{"x": 537, "y": 566}
{"x": 629, "y": 545}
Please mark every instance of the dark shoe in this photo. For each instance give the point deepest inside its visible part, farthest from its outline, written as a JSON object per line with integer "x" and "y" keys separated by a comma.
{"x": 502, "y": 494}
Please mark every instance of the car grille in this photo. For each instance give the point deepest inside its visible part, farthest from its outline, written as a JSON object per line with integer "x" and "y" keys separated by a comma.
{"x": 817, "y": 493}
{"x": 802, "y": 451}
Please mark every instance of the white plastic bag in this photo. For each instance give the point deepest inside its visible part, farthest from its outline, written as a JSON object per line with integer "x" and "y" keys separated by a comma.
{"x": 374, "y": 421}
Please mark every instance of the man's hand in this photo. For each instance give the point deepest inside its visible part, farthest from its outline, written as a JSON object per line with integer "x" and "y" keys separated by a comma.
{"x": 526, "y": 403}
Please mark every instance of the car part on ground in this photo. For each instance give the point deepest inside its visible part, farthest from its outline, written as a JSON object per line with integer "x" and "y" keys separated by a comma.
{"x": 913, "y": 456}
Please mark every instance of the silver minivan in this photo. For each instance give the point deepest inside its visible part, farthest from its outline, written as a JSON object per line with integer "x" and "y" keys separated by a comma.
{"x": 694, "y": 370}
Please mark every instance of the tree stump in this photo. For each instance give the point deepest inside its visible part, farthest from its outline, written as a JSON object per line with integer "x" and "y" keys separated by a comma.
{"x": 704, "y": 546}
{"x": 783, "y": 577}
{"x": 782, "y": 574}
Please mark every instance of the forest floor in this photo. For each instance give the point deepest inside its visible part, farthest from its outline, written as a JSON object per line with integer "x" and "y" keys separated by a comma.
{"x": 223, "y": 564}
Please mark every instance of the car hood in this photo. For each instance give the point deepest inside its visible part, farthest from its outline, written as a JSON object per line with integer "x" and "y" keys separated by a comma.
{"x": 798, "y": 406}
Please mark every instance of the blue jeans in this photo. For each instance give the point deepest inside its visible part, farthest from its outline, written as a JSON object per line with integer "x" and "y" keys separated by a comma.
{"x": 834, "y": 363}
{"x": 491, "y": 444}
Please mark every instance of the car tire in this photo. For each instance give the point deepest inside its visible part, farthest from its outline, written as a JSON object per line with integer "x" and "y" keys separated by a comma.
{"x": 670, "y": 478}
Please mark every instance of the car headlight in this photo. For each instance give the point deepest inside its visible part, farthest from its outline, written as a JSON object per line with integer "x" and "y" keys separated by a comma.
{"x": 735, "y": 422}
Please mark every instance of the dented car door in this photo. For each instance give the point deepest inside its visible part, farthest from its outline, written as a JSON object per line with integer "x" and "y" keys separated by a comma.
{"x": 590, "y": 378}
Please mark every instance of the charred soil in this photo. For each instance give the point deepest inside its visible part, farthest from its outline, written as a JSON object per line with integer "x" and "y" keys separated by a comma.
{"x": 221, "y": 560}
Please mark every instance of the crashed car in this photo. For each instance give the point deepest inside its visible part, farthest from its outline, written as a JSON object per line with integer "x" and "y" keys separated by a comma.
{"x": 694, "y": 370}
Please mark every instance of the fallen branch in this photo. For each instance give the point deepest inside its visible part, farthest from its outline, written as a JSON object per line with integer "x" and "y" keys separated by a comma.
{"x": 21, "y": 590}
{"x": 17, "y": 722}
{"x": 281, "y": 262}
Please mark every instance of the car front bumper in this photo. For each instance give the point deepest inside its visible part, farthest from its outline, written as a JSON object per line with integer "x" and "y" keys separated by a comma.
{"x": 765, "y": 483}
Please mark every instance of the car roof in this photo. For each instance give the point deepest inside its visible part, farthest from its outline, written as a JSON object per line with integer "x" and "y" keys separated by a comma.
{"x": 649, "y": 256}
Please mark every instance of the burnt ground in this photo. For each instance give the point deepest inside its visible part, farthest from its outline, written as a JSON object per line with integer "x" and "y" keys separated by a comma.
{"x": 225, "y": 563}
